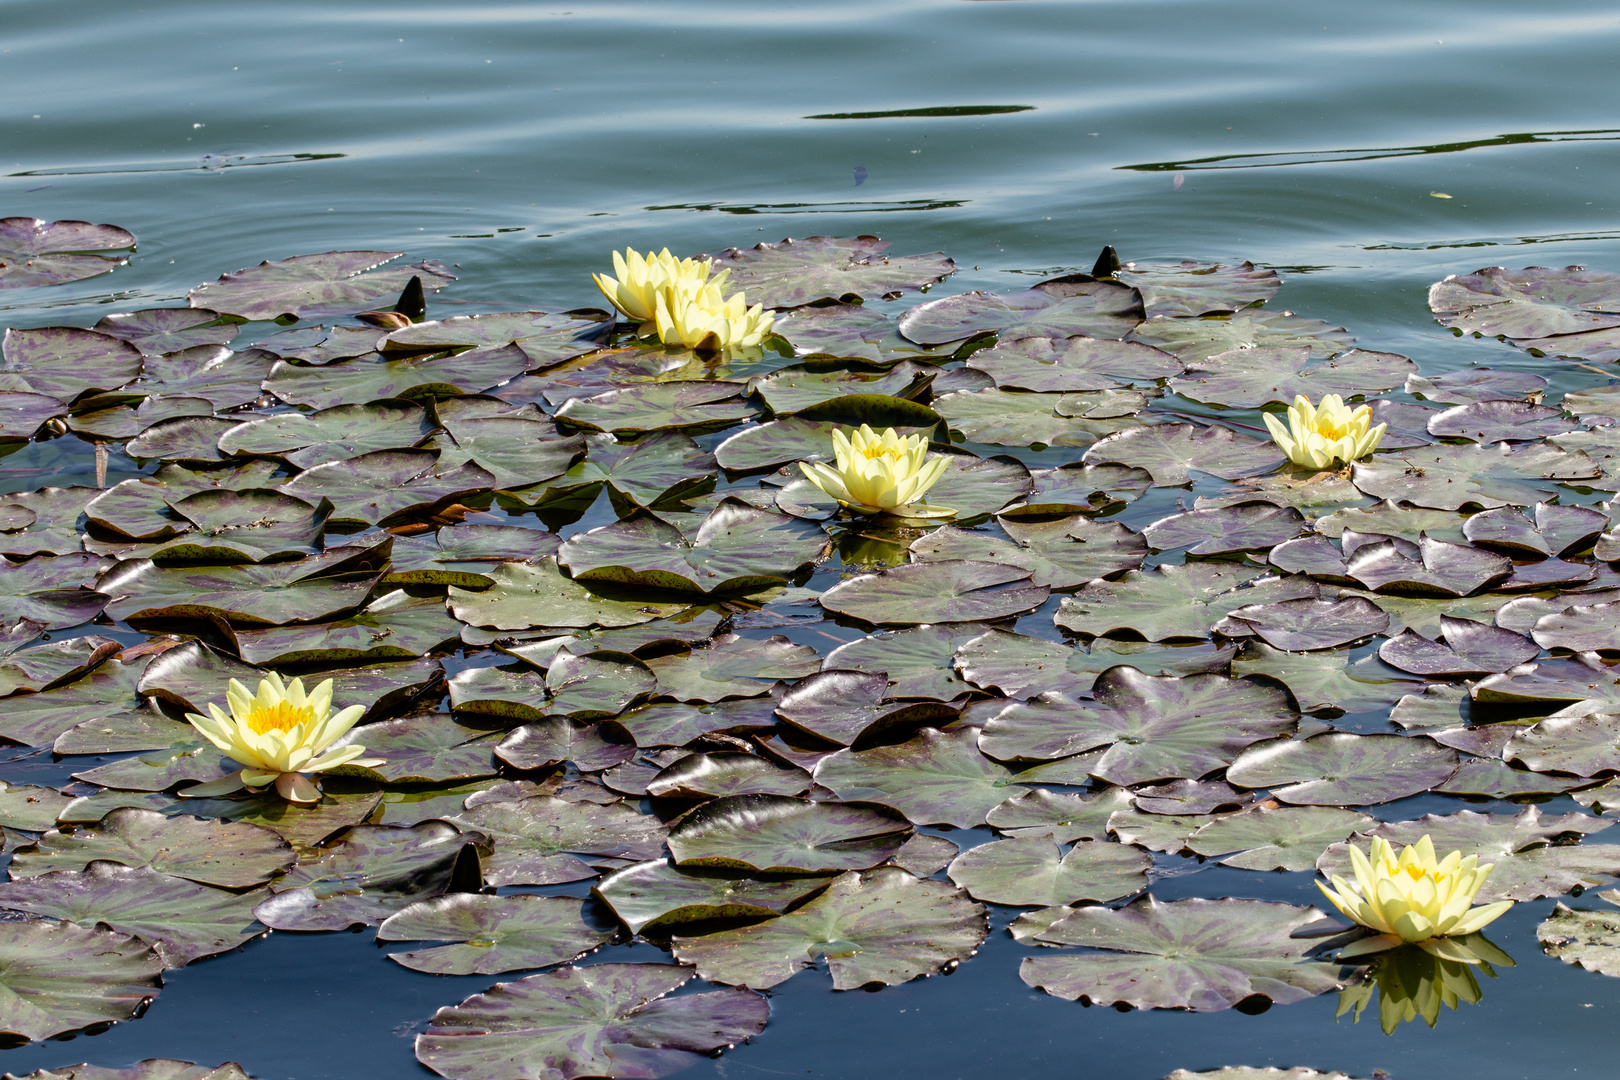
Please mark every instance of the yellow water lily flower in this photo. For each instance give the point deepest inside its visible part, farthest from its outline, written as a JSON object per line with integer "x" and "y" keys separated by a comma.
{"x": 702, "y": 321}
{"x": 279, "y": 735}
{"x": 880, "y": 474}
{"x": 642, "y": 279}
{"x": 1318, "y": 436}
{"x": 1412, "y": 897}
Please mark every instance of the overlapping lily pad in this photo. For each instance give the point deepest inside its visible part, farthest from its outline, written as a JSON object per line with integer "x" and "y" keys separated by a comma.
{"x": 1173, "y": 601}
{"x": 659, "y": 894}
{"x": 1451, "y": 477}
{"x": 778, "y": 834}
{"x": 796, "y": 272}
{"x": 491, "y": 934}
{"x": 372, "y": 872}
{"x": 1061, "y": 307}
{"x": 35, "y": 252}
{"x": 1258, "y": 376}
{"x": 933, "y": 778}
{"x": 1020, "y": 667}
{"x": 60, "y": 976}
{"x": 1172, "y": 452}
{"x": 310, "y": 286}
{"x": 537, "y": 841}
{"x": 1338, "y": 768}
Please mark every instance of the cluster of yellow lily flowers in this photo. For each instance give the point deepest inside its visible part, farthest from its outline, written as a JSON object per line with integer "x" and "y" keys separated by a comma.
{"x": 880, "y": 474}
{"x": 680, "y": 301}
{"x": 1322, "y": 435}
{"x": 278, "y": 735}
{"x": 1413, "y": 897}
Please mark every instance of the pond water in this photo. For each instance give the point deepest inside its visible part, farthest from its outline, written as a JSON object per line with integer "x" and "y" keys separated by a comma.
{"x": 1364, "y": 151}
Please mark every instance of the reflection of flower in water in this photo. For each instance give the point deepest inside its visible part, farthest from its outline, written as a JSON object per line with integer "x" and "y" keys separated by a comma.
{"x": 1410, "y": 982}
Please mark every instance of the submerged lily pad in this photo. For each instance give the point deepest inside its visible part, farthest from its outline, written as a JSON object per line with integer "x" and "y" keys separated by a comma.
{"x": 310, "y": 286}
{"x": 491, "y": 934}
{"x": 1203, "y": 955}
{"x": 881, "y": 926}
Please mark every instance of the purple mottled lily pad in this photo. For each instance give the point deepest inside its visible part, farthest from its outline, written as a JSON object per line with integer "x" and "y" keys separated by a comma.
{"x": 1450, "y": 477}
{"x": 537, "y": 840}
{"x": 22, "y": 414}
{"x": 556, "y": 739}
{"x": 1557, "y": 530}
{"x": 1466, "y": 648}
{"x": 231, "y": 855}
{"x": 1326, "y": 680}
{"x": 1204, "y": 955}
{"x": 53, "y": 591}
{"x": 60, "y": 976}
{"x": 1242, "y": 527}
{"x": 1189, "y": 289}
{"x": 602, "y": 1020}
{"x": 655, "y": 892}
{"x": 1338, "y": 768}
{"x": 387, "y": 485}
{"x": 1013, "y": 418}
{"x": 1442, "y": 569}
{"x": 543, "y": 339}
{"x": 1277, "y": 838}
{"x": 1019, "y": 666}
{"x": 1537, "y": 301}
{"x": 934, "y": 778}
{"x": 882, "y": 926}
{"x": 716, "y": 775}
{"x": 1253, "y": 377}
{"x": 1062, "y": 307}
{"x": 1155, "y": 727}
{"x": 1035, "y": 871}
{"x": 1172, "y": 452}
{"x": 1066, "y": 364}
{"x": 65, "y": 362}
{"x": 491, "y": 934}
{"x": 35, "y": 252}
{"x": 1196, "y": 339}
{"x": 1580, "y": 677}
{"x": 844, "y": 706}
{"x": 936, "y": 592}
{"x": 310, "y": 286}
{"x": 797, "y": 272}
{"x": 1476, "y": 384}
{"x": 645, "y": 407}
{"x": 1500, "y": 421}
{"x": 780, "y": 834}
{"x": 1583, "y": 739}
{"x": 1062, "y": 553}
{"x": 157, "y": 331}
{"x": 1300, "y": 625}
{"x": 335, "y": 434}
{"x": 1173, "y": 601}
{"x": 1580, "y": 628}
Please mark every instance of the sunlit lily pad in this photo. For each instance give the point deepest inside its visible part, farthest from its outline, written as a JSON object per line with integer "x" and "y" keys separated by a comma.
{"x": 933, "y": 778}
{"x": 66, "y": 363}
{"x": 1338, "y": 768}
{"x": 916, "y": 661}
{"x": 60, "y": 976}
{"x": 233, "y": 855}
{"x": 536, "y": 840}
{"x": 799, "y": 386}
{"x": 1450, "y": 477}
{"x": 1063, "y": 817}
{"x": 1191, "y": 288}
{"x": 1061, "y": 307}
{"x": 1534, "y": 302}
{"x": 427, "y": 748}
{"x": 395, "y": 626}
{"x": 1583, "y": 739}
{"x": 375, "y": 376}
{"x": 1173, "y": 601}
{"x": 779, "y": 834}
{"x": 659, "y": 894}
{"x": 1500, "y": 421}
{"x": 1203, "y": 955}
{"x": 1172, "y": 452}
{"x": 1466, "y": 648}
{"x": 160, "y": 331}
{"x": 935, "y": 592}
{"x": 1033, "y": 870}
{"x": 882, "y": 926}
{"x": 1060, "y": 554}
{"x": 704, "y": 776}
{"x": 52, "y": 591}
{"x": 107, "y": 692}
{"x": 682, "y": 406}
{"x": 334, "y": 434}
{"x": 310, "y": 286}
{"x": 537, "y": 594}
{"x": 1066, "y": 364}
{"x": 544, "y": 339}
{"x": 22, "y": 414}
{"x": 491, "y": 934}
{"x": 1195, "y": 339}
{"x": 1587, "y": 939}
{"x": 268, "y": 594}
{"x": 801, "y": 438}
{"x": 1227, "y": 529}
{"x": 1303, "y": 624}
{"x": 1019, "y": 666}
{"x": 1014, "y": 418}
{"x": 1282, "y": 838}
{"x": 1253, "y": 377}
{"x": 796, "y": 272}
{"x": 602, "y": 1020}
{"x": 35, "y": 252}
{"x": 1580, "y": 677}
{"x": 1077, "y": 488}
{"x": 732, "y": 666}
{"x": 548, "y": 742}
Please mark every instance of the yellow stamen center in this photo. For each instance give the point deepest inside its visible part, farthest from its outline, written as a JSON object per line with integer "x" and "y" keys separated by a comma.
{"x": 282, "y": 716}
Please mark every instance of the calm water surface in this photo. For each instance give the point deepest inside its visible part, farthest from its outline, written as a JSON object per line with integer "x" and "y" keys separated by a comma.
{"x": 521, "y": 141}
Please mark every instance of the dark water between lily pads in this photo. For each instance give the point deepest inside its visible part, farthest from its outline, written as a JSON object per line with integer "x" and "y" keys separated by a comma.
{"x": 1363, "y": 151}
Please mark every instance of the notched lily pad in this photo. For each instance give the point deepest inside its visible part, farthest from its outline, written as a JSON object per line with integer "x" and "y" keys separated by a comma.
{"x": 1034, "y": 871}
{"x": 491, "y": 934}
{"x": 1061, "y": 307}
{"x": 1172, "y": 452}
{"x": 778, "y": 834}
{"x": 936, "y": 592}
{"x": 35, "y": 252}
{"x": 1338, "y": 768}
{"x": 310, "y": 286}
{"x": 796, "y": 272}
{"x": 60, "y": 976}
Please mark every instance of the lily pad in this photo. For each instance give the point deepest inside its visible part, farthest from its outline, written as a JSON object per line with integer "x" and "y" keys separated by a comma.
{"x": 683, "y": 406}
{"x": 936, "y": 592}
{"x": 266, "y": 594}
{"x": 1500, "y": 421}
{"x": 374, "y": 376}
{"x": 1192, "y": 288}
{"x": 491, "y": 934}
{"x": 1338, "y": 768}
{"x": 1451, "y": 477}
{"x": 53, "y": 591}
{"x": 1020, "y": 667}
{"x": 1476, "y": 384}
{"x": 335, "y": 434}
{"x": 1174, "y": 601}
{"x": 536, "y": 594}
{"x": 881, "y": 926}
{"x": 395, "y": 626}
{"x": 809, "y": 438}
{"x": 660, "y": 895}
{"x": 778, "y": 834}
{"x": 1580, "y": 628}
{"x": 1061, "y": 307}
{"x": 107, "y": 692}
{"x": 35, "y": 252}
{"x": 545, "y": 339}
{"x": 1580, "y": 677}
{"x": 182, "y": 920}
{"x": 159, "y": 331}
{"x": 703, "y": 776}
{"x": 916, "y": 661}
{"x": 1033, "y": 870}
{"x": 1304, "y": 624}
{"x": 427, "y": 748}
{"x": 1442, "y": 569}
{"x": 60, "y": 976}
{"x": 1203, "y": 955}
{"x": 1557, "y": 530}
{"x": 1581, "y": 740}
{"x": 1156, "y": 727}
{"x": 1249, "y": 378}
{"x": 797, "y": 272}
{"x": 536, "y": 840}
{"x": 659, "y": 468}
{"x": 602, "y": 1020}
{"x": 933, "y": 778}
{"x": 548, "y": 742}
{"x": 1587, "y": 939}
{"x": 65, "y": 362}
{"x": 1063, "y": 817}
{"x": 1533, "y": 302}
{"x": 1014, "y": 418}
{"x": 1060, "y": 554}
{"x": 675, "y": 723}
{"x": 732, "y": 666}
{"x": 1172, "y": 452}
{"x": 311, "y": 286}
{"x": 1466, "y": 648}
{"x": 1066, "y": 364}
{"x": 22, "y": 414}
{"x": 1242, "y": 527}
{"x": 232, "y": 855}
{"x": 1283, "y": 838}
{"x": 1197, "y": 339}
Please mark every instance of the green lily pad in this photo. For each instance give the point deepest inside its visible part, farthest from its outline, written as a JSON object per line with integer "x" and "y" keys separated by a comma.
{"x": 851, "y": 330}
{"x": 1249, "y": 378}
{"x": 310, "y": 286}
{"x": 158, "y": 331}
{"x": 1063, "y": 817}
{"x": 1587, "y": 939}
{"x": 49, "y": 665}
{"x": 150, "y": 1069}
{"x": 1078, "y": 489}
{"x": 664, "y": 467}
{"x": 527, "y": 595}
{"x": 781, "y": 834}
{"x": 799, "y": 386}
{"x": 1580, "y": 740}
{"x": 59, "y": 977}
{"x": 29, "y": 807}
{"x": 1197, "y": 339}
{"x": 680, "y": 406}
{"x": 936, "y": 592}
{"x": 232, "y": 855}
{"x": 1172, "y": 452}
{"x": 335, "y": 434}
{"x": 53, "y": 591}
{"x": 1450, "y": 477}
{"x": 731, "y": 666}
{"x": 375, "y": 376}
{"x": 1060, "y": 307}
{"x": 1191, "y": 288}
{"x": 516, "y": 450}
{"x": 1391, "y": 519}
{"x": 1283, "y": 838}
{"x": 1466, "y": 648}
{"x": 182, "y": 920}
{"x": 491, "y": 934}
{"x": 1339, "y": 768}
{"x": 1223, "y": 530}
{"x": 1327, "y": 680}
{"x": 797, "y": 272}
{"x": 1580, "y": 628}
{"x": 395, "y": 626}
{"x": 881, "y": 926}
{"x": 933, "y": 778}
{"x": 802, "y": 438}
{"x": 428, "y": 748}
{"x": 848, "y": 707}
{"x": 1156, "y": 728}
{"x": 660, "y": 895}
{"x": 676, "y": 723}
{"x": 1033, "y": 870}
{"x": 602, "y": 1020}
{"x": 917, "y": 662}
{"x": 536, "y": 840}
{"x": 1203, "y": 955}
{"x": 1021, "y": 667}
{"x": 1064, "y": 365}
{"x": 1014, "y": 418}
{"x": 1060, "y": 554}
{"x": 1174, "y": 601}
{"x": 107, "y": 692}
{"x": 267, "y": 594}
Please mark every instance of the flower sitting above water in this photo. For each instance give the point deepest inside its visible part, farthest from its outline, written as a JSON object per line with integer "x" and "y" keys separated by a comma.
{"x": 1412, "y": 897}
{"x": 642, "y": 280}
{"x": 279, "y": 735}
{"x": 703, "y": 322}
{"x": 1331, "y": 432}
{"x": 881, "y": 474}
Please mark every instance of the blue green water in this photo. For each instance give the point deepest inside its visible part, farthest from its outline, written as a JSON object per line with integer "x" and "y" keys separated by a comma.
{"x": 519, "y": 142}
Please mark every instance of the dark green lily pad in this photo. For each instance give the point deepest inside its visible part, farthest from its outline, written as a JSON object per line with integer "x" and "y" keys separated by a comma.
{"x": 267, "y": 594}
{"x": 1197, "y": 339}
{"x": 1156, "y": 727}
{"x": 491, "y": 934}
{"x": 1066, "y": 364}
{"x": 881, "y": 926}
{"x": 1203, "y": 955}
{"x": 34, "y": 252}
{"x": 1299, "y": 625}
{"x": 182, "y": 920}
{"x": 1172, "y": 452}
{"x": 310, "y": 286}
{"x": 935, "y": 592}
{"x": 1280, "y": 838}
{"x": 536, "y": 840}
{"x": 705, "y": 776}
{"x": 1034, "y": 871}
{"x": 1466, "y": 648}
{"x": 66, "y": 363}
{"x": 732, "y": 666}
{"x": 1174, "y": 601}
{"x": 660, "y": 895}
{"x": 1014, "y": 418}
{"x": 1063, "y": 817}
{"x": 933, "y": 778}
{"x": 684, "y": 406}
{"x": 602, "y": 1020}
{"x": 334, "y": 434}
{"x": 536, "y": 594}
{"x": 1061, "y": 307}
{"x": 1249, "y": 378}
{"x": 1060, "y": 554}
{"x": 916, "y": 661}
{"x": 462, "y": 554}
{"x": 60, "y": 976}
{"x": 1020, "y": 667}
{"x": 780, "y": 834}
{"x": 1338, "y": 768}
{"x": 797, "y": 272}
{"x": 232, "y": 855}
{"x": 372, "y": 872}
{"x": 1450, "y": 477}
{"x": 1242, "y": 527}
